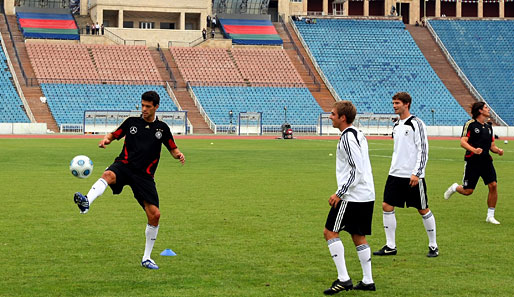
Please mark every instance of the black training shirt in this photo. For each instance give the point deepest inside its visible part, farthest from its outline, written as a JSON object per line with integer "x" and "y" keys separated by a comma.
{"x": 143, "y": 140}
{"x": 479, "y": 136}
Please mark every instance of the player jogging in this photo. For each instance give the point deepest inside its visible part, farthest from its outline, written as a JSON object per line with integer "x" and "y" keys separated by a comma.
{"x": 478, "y": 139}
{"x": 136, "y": 165}
{"x": 352, "y": 204}
{"x": 406, "y": 181}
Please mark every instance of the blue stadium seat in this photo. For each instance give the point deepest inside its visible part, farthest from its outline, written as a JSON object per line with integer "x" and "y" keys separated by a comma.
{"x": 484, "y": 51}
{"x": 368, "y": 61}
{"x": 302, "y": 108}
{"x": 11, "y": 110}
{"x": 68, "y": 102}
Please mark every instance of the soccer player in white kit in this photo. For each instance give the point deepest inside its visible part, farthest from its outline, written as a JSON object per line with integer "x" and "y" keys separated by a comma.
{"x": 352, "y": 204}
{"x": 406, "y": 181}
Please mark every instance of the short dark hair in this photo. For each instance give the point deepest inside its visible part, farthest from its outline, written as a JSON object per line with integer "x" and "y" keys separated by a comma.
{"x": 347, "y": 109}
{"x": 475, "y": 109}
{"x": 151, "y": 96}
{"x": 403, "y": 97}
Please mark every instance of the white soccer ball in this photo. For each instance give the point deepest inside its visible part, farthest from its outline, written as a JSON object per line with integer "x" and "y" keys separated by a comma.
{"x": 81, "y": 166}
{"x": 506, "y": 141}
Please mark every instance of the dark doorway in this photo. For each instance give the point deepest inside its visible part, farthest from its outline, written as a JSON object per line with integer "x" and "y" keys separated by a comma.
{"x": 491, "y": 10}
{"x": 430, "y": 5}
{"x": 448, "y": 9}
{"x": 403, "y": 10}
{"x": 509, "y": 9}
{"x": 315, "y": 5}
{"x": 376, "y": 8}
{"x": 469, "y": 9}
{"x": 356, "y": 8}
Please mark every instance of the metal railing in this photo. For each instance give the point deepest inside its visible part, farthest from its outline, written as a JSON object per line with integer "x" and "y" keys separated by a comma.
{"x": 298, "y": 53}
{"x": 463, "y": 76}
{"x": 119, "y": 40}
{"x": 198, "y": 105}
{"x": 168, "y": 68}
{"x": 17, "y": 55}
{"x": 54, "y": 80}
{"x": 192, "y": 43}
{"x": 314, "y": 62}
{"x": 247, "y": 84}
{"x": 175, "y": 100}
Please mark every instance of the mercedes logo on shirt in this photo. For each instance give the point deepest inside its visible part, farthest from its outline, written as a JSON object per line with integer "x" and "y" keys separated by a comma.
{"x": 133, "y": 130}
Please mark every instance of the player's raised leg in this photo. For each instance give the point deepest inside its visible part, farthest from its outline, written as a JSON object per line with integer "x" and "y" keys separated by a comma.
{"x": 98, "y": 188}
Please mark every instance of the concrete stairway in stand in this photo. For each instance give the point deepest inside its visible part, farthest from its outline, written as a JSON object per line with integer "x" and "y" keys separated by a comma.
{"x": 321, "y": 94}
{"x": 441, "y": 66}
{"x": 181, "y": 93}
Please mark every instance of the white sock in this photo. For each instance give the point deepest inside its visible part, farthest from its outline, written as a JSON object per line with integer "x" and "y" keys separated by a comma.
{"x": 151, "y": 235}
{"x": 490, "y": 212}
{"x": 364, "y": 253}
{"x": 97, "y": 189}
{"x": 390, "y": 228}
{"x": 336, "y": 249}
{"x": 429, "y": 222}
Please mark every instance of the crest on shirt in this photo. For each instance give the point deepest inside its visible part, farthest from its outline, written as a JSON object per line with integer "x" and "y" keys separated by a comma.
{"x": 133, "y": 130}
{"x": 158, "y": 134}
{"x": 406, "y": 132}
{"x": 477, "y": 130}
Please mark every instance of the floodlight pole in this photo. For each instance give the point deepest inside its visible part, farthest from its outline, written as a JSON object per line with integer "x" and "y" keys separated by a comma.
{"x": 433, "y": 117}
{"x": 285, "y": 114}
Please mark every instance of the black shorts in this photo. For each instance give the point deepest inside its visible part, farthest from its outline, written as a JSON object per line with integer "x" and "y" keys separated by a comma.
{"x": 352, "y": 217}
{"x": 143, "y": 185}
{"x": 474, "y": 169}
{"x": 399, "y": 193}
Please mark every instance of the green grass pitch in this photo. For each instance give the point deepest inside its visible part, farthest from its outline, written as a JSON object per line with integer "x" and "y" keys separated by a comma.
{"x": 245, "y": 218}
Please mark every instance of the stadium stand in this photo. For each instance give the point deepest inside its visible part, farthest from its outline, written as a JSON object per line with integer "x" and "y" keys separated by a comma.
{"x": 68, "y": 102}
{"x": 484, "y": 51}
{"x": 237, "y": 67}
{"x": 302, "y": 108}
{"x": 249, "y": 31}
{"x": 260, "y": 66}
{"x": 79, "y": 77}
{"x": 10, "y": 103}
{"x": 247, "y": 79}
{"x": 47, "y": 23}
{"x": 368, "y": 61}
{"x": 207, "y": 65}
{"x": 54, "y": 63}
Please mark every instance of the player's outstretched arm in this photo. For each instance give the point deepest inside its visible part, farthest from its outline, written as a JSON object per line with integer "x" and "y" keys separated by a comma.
{"x": 106, "y": 140}
{"x": 178, "y": 155}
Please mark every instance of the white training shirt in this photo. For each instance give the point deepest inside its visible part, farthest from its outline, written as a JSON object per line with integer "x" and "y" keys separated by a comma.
{"x": 410, "y": 153}
{"x": 353, "y": 168}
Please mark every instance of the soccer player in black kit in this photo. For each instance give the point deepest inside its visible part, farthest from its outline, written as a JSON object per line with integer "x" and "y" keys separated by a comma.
{"x": 136, "y": 165}
{"x": 478, "y": 139}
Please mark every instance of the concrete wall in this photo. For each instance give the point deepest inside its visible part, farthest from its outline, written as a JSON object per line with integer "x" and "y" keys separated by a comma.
{"x": 23, "y": 128}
